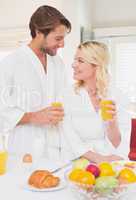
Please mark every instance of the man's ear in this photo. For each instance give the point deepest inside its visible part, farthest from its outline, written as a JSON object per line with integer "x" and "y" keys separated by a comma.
{"x": 37, "y": 32}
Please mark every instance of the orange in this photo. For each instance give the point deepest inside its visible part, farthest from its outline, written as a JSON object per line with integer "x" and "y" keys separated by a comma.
{"x": 76, "y": 174}
{"x": 106, "y": 169}
{"x": 81, "y": 176}
{"x": 127, "y": 175}
{"x": 87, "y": 178}
{"x": 56, "y": 104}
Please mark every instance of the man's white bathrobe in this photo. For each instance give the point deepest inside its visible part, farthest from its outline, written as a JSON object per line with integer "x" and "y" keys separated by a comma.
{"x": 83, "y": 129}
{"x": 25, "y": 87}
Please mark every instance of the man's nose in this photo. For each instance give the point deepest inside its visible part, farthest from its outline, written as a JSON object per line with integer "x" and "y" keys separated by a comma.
{"x": 61, "y": 44}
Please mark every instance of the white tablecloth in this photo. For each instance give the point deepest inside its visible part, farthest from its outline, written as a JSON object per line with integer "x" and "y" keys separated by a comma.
{"x": 13, "y": 182}
{"x": 12, "y": 187}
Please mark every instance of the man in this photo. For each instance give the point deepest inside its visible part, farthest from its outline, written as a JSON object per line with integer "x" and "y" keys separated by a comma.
{"x": 30, "y": 80}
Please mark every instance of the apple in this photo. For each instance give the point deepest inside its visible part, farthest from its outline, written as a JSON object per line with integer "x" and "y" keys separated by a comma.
{"x": 106, "y": 184}
{"x": 93, "y": 169}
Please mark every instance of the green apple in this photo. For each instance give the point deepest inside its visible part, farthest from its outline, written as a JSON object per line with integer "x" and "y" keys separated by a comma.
{"x": 81, "y": 163}
{"x": 105, "y": 185}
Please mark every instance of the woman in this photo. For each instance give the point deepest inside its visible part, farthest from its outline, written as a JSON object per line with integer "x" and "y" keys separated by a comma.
{"x": 82, "y": 103}
{"x": 83, "y": 132}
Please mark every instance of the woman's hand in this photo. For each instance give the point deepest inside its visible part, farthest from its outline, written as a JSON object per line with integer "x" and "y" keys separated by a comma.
{"x": 112, "y": 110}
{"x": 98, "y": 158}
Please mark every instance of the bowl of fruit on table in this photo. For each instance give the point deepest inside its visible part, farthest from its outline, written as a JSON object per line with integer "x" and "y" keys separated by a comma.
{"x": 99, "y": 181}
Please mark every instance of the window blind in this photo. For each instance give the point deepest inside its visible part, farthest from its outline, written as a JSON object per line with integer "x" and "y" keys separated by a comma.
{"x": 125, "y": 67}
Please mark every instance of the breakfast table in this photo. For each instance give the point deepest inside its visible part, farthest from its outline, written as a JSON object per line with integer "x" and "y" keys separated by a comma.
{"x": 13, "y": 184}
{"x": 11, "y": 188}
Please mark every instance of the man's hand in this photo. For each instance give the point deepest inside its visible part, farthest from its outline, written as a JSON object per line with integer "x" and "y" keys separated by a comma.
{"x": 49, "y": 116}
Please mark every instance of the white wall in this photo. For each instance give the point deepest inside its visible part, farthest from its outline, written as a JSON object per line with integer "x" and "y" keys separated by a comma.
{"x": 14, "y": 20}
{"x": 16, "y": 13}
{"x": 85, "y": 13}
{"x": 78, "y": 11}
{"x": 109, "y": 13}
{"x": 70, "y": 10}
{"x": 88, "y": 13}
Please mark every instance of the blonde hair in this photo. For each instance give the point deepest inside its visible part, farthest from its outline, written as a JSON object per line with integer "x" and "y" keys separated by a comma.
{"x": 96, "y": 53}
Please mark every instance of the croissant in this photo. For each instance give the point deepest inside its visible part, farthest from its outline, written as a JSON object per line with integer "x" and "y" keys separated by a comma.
{"x": 43, "y": 179}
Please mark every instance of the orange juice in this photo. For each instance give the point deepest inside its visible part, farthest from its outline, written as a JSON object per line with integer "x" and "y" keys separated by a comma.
{"x": 104, "y": 108}
{"x": 56, "y": 104}
{"x": 3, "y": 162}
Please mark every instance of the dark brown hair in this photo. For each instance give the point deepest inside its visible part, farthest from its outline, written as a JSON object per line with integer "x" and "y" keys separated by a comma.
{"x": 46, "y": 19}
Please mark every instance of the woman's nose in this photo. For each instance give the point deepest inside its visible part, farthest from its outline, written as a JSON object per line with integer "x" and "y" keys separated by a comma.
{"x": 73, "y": 65}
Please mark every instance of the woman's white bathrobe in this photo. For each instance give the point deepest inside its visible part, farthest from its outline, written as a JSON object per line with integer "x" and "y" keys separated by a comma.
{"x": 25, "y": 87}
{"x": 83, "y": 130}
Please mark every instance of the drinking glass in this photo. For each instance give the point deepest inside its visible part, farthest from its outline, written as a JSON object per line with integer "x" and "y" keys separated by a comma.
{"x": 104, "y": 106}
{"x": 3, "y": 155}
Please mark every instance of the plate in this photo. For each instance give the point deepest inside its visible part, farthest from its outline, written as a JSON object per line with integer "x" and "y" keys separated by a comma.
{"x": 44, "y": 163}
{"x": 61, "y": 186}
{"x": 118, "y": 165}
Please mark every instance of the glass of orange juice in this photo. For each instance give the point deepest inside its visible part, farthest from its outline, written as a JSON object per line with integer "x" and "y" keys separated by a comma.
{"x": 59, "y": 129}
{"x": 56, "y": 104}
{"x": 3, "y": 162}
{"x": 3, "y": 155}
{"x": 104, "y": 108}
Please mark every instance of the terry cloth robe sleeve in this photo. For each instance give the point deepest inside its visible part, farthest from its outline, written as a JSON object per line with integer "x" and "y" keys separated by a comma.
{"x": 10, "y": 110}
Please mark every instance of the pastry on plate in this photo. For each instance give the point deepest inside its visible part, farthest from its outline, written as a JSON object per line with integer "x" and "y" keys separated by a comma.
{"x": 42, "y": 179}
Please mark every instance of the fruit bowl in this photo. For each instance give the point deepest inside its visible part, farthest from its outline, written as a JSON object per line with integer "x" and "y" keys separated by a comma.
{"x": 90, "y": 192}
{"x": 105, "y": 180}
{"x": 82, "y": 194}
